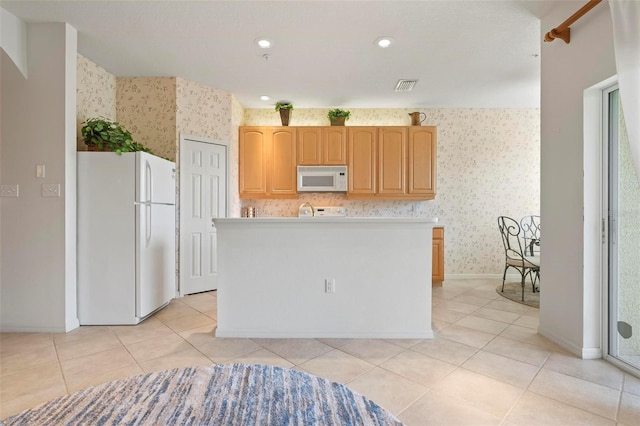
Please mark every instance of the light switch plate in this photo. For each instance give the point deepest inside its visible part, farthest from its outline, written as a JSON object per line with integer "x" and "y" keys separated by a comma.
{"x": 40, "y": 171}
{"x": 50, "y": 189}
{"x": 9, "y": 191}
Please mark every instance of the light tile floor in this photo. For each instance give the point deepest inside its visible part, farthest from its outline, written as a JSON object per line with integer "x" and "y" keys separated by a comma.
{"x": 485, "y": 366}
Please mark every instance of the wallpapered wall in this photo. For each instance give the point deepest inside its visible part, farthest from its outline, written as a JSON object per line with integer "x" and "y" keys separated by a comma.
{"x": 95, "y": 94}
{"x": 147, "y": 108}
{"x": 488, "y": 165}
{"x": 488, "y": 159}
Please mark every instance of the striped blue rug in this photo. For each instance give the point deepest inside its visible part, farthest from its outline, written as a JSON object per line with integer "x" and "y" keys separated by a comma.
{"x": 229, "y": 394}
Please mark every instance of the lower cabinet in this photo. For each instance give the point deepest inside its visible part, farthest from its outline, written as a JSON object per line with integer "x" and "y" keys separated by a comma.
{"x": 437, "y": 271}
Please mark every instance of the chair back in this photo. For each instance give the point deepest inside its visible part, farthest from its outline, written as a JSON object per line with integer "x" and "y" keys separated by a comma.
{"x": 531, "y": 231}
{"x": 510, "y": 232}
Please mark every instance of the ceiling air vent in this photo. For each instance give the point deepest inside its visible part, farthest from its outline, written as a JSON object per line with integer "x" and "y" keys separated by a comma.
{"x": 405, "y": 85}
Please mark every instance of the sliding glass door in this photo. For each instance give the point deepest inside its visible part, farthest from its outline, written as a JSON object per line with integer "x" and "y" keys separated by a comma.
{"x": 623, "y": 242}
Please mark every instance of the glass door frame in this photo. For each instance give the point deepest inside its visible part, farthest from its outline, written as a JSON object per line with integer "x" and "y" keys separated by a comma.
{"x": 609, "y": 232}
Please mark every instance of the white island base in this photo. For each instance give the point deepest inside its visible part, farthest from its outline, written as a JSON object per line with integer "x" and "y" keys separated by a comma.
{"x": 324, "y": 277}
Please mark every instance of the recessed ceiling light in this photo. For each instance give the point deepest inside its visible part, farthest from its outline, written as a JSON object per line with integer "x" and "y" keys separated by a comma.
{"x": 264, "y": 98}
{"x": 263, "y": 42}
{"x": 384, "y": 42}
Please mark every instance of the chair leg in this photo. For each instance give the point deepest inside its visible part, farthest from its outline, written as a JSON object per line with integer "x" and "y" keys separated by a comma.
{"x": 504, "y": 275}
{"x": 533, "y": 281}
{"x": 522, "y": 284}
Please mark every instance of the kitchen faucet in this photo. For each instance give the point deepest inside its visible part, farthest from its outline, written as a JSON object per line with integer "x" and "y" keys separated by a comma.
{"x": 307, "y": 204}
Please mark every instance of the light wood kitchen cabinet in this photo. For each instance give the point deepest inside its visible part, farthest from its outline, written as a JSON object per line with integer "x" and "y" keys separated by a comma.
{"x": 334, "y": 146}
{"x": 384, "y": 162}
{"x": 322, "y": 146}
{"x": 392, "y": 161}
{"x": 422, "y": 161}
{"x": 267, "y": 167}
{"x": 437, "y": 271}
{"x": 362, "y": 156}
{"x": 253, "y": 162}
{"x": 403, "y": 162}
{"x": 309, "y": 146}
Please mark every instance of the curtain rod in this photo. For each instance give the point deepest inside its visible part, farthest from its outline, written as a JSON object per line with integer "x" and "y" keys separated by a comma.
{"x": 563, "y": 31}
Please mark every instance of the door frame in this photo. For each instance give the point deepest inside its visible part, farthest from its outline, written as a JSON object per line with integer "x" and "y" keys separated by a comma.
{"x": 608, "y": 293}
{"x": 227, "y": 148}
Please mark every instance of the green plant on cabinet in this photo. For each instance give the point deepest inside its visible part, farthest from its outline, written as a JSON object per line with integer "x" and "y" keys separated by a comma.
{"x": 284, "y": 105}
{"x": 338, "y": 116}
{"x": 109, "y": 135}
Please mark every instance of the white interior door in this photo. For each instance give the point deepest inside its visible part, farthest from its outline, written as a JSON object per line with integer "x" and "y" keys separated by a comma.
{"x": 203, "y": 196}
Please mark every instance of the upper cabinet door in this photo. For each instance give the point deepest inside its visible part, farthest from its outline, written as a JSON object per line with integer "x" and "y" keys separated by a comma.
{"x": 322, "y": 146}
{"x": 392, "y": 160}
{"x": 267, "y": 166}
{"x": 253, "y": 161}
{"x": 309, "y": 146}
{"x": 422, "y": 161}
{"x": 282, "y": 163}
{"x": 362, "y": 160}
{"x": 334, "y": 145}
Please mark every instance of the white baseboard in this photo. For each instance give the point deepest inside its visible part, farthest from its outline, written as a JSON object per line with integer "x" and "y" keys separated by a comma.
{"x": 480, "y": 276}
{"x": 591, "y": 353}
{"x": 17, "y": 328}
{"x": 323, "y": 334}
{"x": 74, "y": 324}
{"x": 577, "y": 350}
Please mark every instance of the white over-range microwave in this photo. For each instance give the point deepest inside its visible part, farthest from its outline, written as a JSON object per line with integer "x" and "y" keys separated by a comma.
{"x": 322, "y": 178}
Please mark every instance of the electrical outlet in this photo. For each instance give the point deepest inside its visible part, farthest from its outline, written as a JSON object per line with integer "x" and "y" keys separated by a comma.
{"x": 50, "y": 189}
{"x": 9, "y": 191}
{"x": 330, "y": 285}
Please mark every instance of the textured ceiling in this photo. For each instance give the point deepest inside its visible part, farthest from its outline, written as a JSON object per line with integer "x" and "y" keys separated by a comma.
{"x": 463, "y": 53}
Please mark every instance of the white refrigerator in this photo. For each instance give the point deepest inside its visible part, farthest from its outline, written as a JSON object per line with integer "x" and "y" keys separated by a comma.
{"x": 126, "y": 247}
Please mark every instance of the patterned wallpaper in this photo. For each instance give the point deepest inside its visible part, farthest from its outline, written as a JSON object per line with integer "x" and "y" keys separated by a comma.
{"x": 203, "y": 111}
{"x": 488, "y": 165}
{"x": 95, "y": 94}
{"x": 146, "y": 106}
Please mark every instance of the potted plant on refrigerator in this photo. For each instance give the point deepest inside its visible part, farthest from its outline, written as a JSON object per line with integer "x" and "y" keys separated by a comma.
{"x": 338, "y": 116}
{"x": 102, "y": 134}
{"x": 285, "y": 109}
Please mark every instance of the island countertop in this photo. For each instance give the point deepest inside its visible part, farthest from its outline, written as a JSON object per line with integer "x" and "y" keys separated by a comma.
{"x": 330, "y": 219}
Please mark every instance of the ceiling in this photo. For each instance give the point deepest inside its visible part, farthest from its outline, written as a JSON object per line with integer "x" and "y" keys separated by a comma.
{"x": 463, "y": 53}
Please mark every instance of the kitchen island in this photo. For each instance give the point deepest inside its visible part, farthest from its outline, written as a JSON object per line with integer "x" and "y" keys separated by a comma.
{"x": 324, "y": 277}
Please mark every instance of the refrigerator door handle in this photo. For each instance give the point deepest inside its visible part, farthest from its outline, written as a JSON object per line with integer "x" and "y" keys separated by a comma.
{"x": 148, "y": 189}
{"x": 147, "y": 232}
